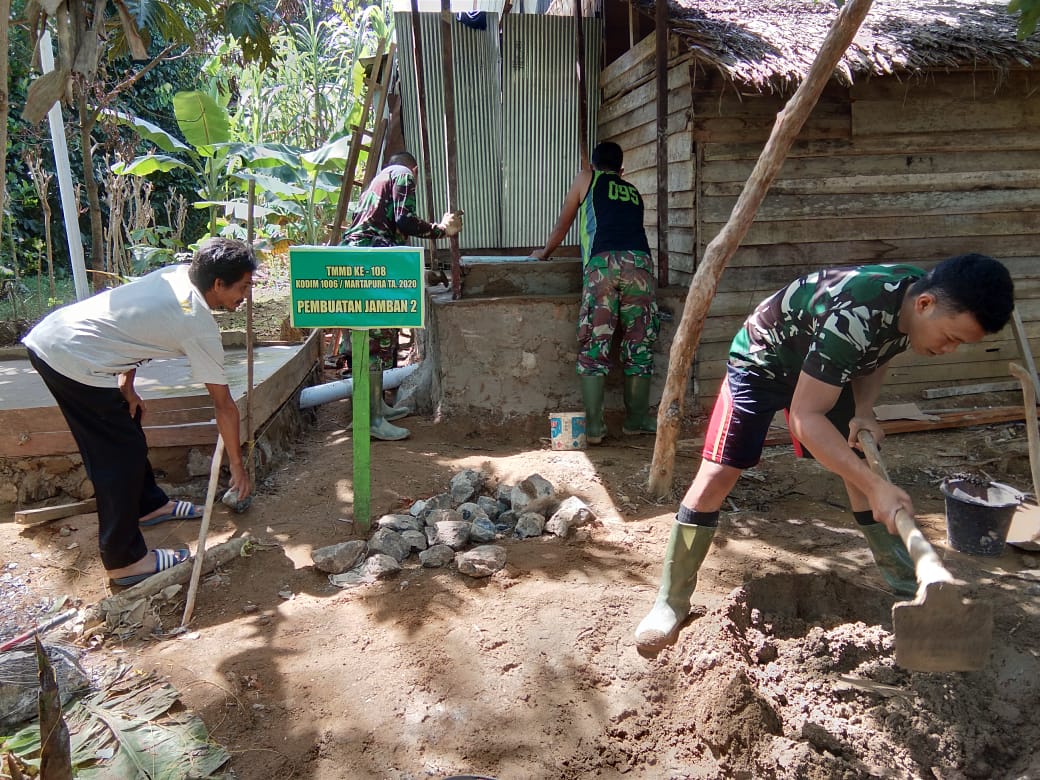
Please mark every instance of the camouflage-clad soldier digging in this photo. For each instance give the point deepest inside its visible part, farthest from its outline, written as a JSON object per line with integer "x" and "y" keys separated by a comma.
{"x": 819, "y": 349}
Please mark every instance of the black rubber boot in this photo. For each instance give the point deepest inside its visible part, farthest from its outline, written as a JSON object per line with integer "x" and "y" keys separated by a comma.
{"x": 592, "y": 388}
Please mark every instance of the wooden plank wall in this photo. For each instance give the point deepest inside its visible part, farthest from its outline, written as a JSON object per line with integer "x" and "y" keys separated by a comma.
{"x": 628, "y": 116}
{"x": 889, "y": 171}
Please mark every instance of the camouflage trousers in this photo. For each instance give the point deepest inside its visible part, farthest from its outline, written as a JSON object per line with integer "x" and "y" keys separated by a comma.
{"x": 382, "y": 348}
{"x": 618, "y": 292}
{"x": 382, "y": 342}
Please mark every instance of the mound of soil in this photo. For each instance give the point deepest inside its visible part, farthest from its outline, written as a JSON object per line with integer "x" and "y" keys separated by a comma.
{"x": 786, "y": 672}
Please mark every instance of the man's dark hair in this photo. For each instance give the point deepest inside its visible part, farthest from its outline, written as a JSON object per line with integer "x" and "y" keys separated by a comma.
{"x": 220, "y": 258}
{"x": 608, "y": 156}
{"x": 403, "y": 158}
{"x": 972, "y": 283}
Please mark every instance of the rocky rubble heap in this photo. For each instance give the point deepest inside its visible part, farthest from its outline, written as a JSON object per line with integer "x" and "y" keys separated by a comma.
{"x": 458, "y": 526}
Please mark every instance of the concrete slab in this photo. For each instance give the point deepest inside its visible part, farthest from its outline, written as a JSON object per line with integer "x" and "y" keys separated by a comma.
{"x": 22, "y": 388}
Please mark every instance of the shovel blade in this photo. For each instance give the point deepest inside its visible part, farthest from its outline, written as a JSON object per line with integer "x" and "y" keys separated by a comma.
{"x": 941, "y": 631}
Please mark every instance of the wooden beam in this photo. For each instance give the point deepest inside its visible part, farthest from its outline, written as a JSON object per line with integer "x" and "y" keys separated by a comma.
{"x": 583, "y": 98}
{"x": 48, "y": 514}
{"x": 788, "y": 123}
{"x": 661, "y": 31}
{"x": 450, "y": 140}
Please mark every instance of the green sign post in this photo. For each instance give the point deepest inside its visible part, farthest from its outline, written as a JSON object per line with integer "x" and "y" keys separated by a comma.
{"x": 360, "y": 288}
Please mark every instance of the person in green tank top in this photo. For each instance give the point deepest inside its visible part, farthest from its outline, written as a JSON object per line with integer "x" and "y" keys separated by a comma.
{"x": 617, "y": 289}
{"x": 819, "y": 349}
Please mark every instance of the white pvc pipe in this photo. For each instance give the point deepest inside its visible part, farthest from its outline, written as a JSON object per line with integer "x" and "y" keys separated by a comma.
{"x": 64, "y": 171}
{"x": 334, "y": 391}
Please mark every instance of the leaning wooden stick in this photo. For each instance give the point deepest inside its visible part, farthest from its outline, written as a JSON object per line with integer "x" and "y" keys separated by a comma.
{"x": 200, "y": 550}
{"x": 217, "y": 555}
{"x": 1032, "y": 435}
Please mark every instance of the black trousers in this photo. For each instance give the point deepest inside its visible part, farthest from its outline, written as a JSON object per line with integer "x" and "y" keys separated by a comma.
{"x": 115, "y": 455}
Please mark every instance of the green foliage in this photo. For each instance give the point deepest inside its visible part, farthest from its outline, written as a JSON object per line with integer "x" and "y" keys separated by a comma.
{"x": 1030, "y": 15}
{"x": 204, "y": 124}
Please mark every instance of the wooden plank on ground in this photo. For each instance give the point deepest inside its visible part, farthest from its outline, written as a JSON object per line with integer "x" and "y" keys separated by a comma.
{"x": 48, "y": 514}
{"x": 985, "y": 387}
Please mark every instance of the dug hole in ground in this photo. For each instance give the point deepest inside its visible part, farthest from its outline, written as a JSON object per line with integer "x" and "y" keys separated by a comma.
{"x": 786, "y": 671}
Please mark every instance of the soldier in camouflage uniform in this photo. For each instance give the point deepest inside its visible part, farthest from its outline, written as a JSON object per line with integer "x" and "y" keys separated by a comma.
{"x": 618, "y": 289}
{"x": 819, "y": 349}
{"x": 386, "y": 217}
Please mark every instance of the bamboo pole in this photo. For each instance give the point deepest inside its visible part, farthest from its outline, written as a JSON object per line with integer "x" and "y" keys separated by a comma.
{"x": 424, "y": 121}
{"x": 450, "y": 145}
{"x": 583, "y": 98}
{"x": 718, "y": 253}
{"x": 662, "y": 143}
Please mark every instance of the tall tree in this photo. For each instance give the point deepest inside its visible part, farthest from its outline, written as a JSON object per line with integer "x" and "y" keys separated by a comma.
{"x": 88, "y": 37}
{"x": 5, "y": 106}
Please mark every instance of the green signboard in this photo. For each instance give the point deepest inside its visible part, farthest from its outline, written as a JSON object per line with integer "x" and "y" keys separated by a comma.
{"x": 356, "y": 287}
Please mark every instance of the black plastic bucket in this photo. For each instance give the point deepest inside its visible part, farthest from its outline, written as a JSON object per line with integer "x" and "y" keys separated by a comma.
{"x": 978, "y": 515}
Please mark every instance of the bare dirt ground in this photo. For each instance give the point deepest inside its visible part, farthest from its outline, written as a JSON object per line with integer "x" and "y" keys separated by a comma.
{"x": 786, "y": 672}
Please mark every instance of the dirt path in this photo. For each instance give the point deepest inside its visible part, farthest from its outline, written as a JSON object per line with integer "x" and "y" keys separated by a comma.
{"x": 787, "y": 671}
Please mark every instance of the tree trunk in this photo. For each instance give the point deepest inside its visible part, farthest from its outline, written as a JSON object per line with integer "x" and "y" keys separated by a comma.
{"x": 718, "y": 253}
{"x": 97, "y": 236}
{"x": 5, "y": 105}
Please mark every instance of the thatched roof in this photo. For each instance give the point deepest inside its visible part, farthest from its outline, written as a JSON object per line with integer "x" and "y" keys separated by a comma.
{"x": 771, "y": 43}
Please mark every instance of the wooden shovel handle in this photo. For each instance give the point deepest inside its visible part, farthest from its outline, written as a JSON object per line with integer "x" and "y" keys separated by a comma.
{"x": 1032, "y": 435}
{"x": 927, "y": 565}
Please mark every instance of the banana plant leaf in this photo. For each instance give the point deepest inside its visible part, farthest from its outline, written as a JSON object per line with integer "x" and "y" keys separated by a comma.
{"x": 123, "y": 731}
{"x": 147, "y": 131}
{"x": 329, "y": 157}
{"x": 148, "y": 164}
{"x": 265, "y": 155}
{"x": 203, "y": 121}
{"x": 271, "y": 184}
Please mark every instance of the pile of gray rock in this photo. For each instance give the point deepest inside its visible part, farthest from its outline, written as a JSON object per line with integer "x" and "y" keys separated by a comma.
{"x": 458, "y": 527}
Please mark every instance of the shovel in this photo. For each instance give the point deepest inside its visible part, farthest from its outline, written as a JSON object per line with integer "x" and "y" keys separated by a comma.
{"x": 940, "y": 630}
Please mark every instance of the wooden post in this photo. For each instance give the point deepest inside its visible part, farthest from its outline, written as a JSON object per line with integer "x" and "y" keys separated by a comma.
{"x": 250, "y": 464}
{"x": 450, "y": 145}
{"x": 583, "y": 99}
{"x": 424, "y": 121}
{"x": 359, "y": 362}
{"x": 718, "y": 253}
{"x": 662, "y": 143}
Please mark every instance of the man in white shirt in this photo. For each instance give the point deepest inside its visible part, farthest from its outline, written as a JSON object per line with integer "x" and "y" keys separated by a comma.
{"x": 87, "y": 354}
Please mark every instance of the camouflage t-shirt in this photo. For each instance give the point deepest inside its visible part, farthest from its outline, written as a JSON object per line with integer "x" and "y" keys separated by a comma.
{"x": 834, "y": 325}
{"x": 386, "y": 212}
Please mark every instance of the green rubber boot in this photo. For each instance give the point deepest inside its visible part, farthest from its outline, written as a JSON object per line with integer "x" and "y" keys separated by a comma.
{"x": 892, "y": 559}
{"x": 592, "y": 388}
{"x": 687, "y": 547}
{"x": 379, "y": 428}
{"x": 388, "y": 412}
{"x": 637, "y": 407}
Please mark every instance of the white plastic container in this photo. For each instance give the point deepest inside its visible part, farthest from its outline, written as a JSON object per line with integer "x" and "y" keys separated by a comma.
{"x": 567, "y": 430}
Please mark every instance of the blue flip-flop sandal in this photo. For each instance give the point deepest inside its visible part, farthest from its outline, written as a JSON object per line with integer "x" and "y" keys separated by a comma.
{"x": 182, "y": 510}
{"x": 164, "y": 559}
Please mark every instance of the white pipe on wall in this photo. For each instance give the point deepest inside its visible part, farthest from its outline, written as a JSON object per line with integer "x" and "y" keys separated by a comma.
{"x": 334, "y": 391}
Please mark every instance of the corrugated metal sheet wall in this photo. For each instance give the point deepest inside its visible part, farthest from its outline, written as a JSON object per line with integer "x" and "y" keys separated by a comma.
{"x": 477, "y": 121}
{"x": 516, "y": 148}
{"x": 540, "y": 121}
